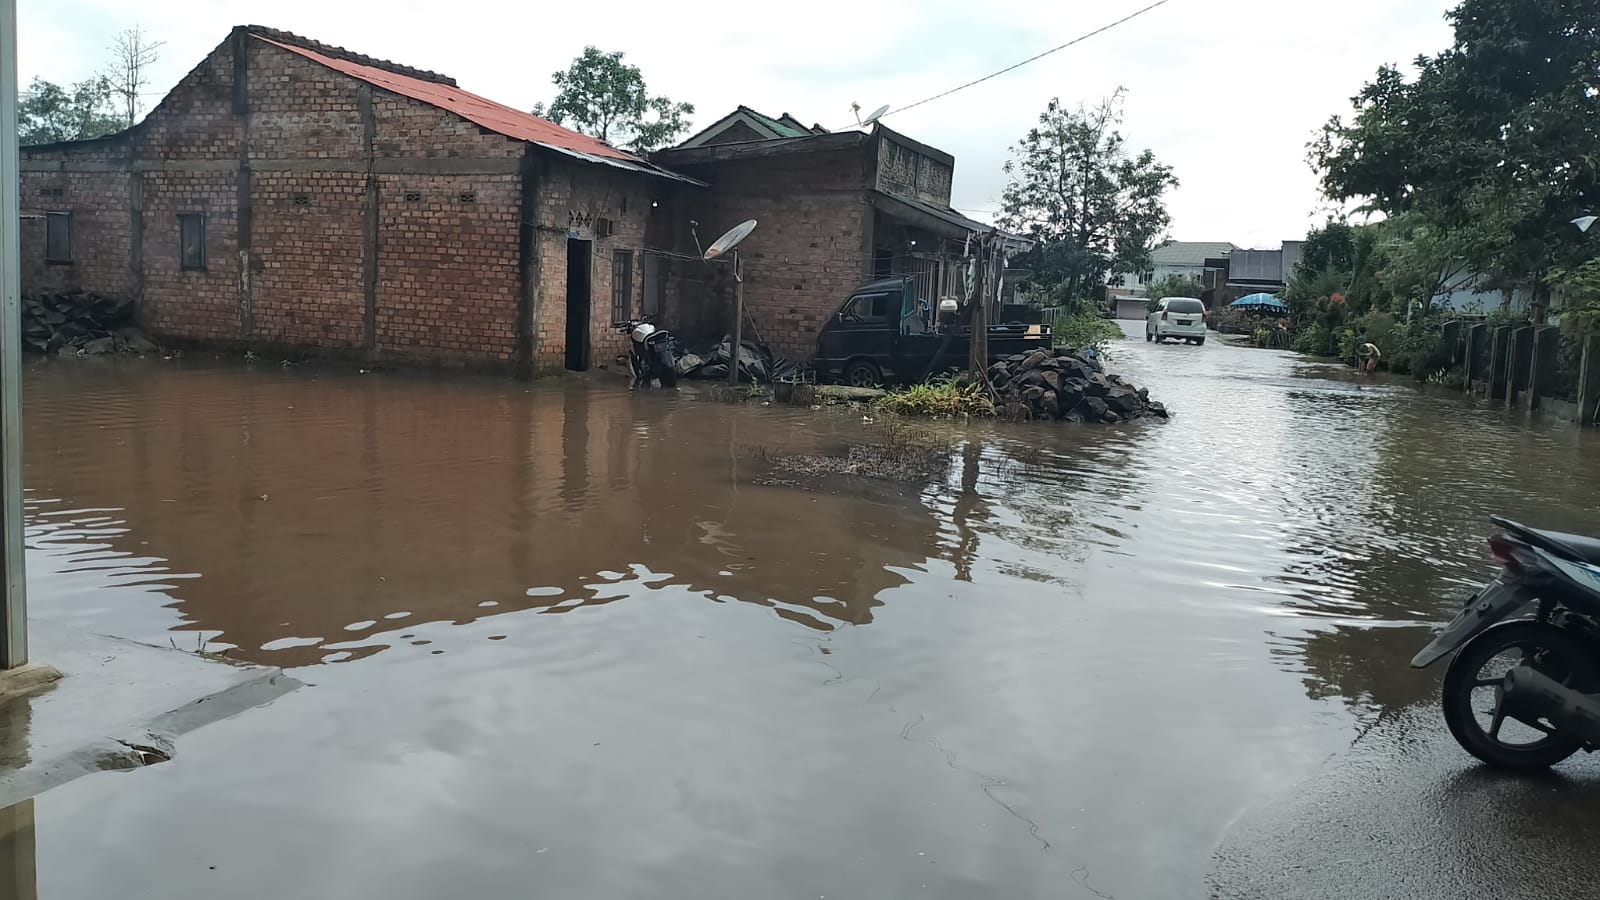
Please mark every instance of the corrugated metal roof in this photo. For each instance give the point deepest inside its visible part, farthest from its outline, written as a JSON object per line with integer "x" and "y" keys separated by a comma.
{"x": 1189, "y": 253}
{"x": 496, "y": 117}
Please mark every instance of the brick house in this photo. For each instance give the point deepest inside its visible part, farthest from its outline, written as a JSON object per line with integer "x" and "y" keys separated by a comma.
{"x": 835, "y": 210}
{"x": 288, "y": 194}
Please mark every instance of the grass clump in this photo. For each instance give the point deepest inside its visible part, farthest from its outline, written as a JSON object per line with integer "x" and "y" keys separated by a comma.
{"x": 950, "y": 397}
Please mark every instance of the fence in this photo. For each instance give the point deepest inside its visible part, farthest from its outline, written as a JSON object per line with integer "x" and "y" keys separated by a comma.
{"x": 1529, "y": 366}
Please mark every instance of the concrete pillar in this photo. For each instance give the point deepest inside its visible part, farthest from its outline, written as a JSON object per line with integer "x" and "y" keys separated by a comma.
{"x": 1499, "y": 350}
{"x": 18, "y": 874}
{"x": 1519, "y": 356}
{"x": 13, "y": 582}
{"x": 1472, "y": 340}
{"x": 1589, "y": 381}
{"x": 1541, "y": 368}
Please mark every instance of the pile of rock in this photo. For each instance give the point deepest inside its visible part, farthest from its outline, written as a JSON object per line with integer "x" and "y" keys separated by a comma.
{"x": 73, "y": 322}
{"x": 1067, "y": 385}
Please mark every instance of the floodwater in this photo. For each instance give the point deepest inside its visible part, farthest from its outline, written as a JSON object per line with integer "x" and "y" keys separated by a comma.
{"x": 568, "y": 641}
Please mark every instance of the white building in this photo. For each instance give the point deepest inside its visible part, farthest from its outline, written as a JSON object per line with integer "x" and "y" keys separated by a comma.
{"x": 1173, "y": 258}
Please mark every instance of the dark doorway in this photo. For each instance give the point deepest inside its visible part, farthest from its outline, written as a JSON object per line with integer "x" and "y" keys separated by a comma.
{"x": 579, "y": 302}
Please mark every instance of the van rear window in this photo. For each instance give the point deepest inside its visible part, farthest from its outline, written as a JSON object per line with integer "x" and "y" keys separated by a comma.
{"x": 1181, "y": 305}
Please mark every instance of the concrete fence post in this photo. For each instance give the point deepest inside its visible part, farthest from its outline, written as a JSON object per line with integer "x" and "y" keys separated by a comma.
{"x": 1546, "y": 344}
{"x": 1499, "y": 350}
{"x": 1474, "y": 340}
{"x": 1519, "y": 354}
{"x": 1589, "y": 380}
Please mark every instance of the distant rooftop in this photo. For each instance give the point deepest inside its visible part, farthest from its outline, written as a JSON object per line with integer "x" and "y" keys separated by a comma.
{"x": 1189, "y": 253}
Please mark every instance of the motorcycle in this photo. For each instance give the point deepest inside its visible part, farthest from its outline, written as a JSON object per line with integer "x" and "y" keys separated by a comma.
{"x": 650, "y": 353}
{"x": 1523, "y": 688}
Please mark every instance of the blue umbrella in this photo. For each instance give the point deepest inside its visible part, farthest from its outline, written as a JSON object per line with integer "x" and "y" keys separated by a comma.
{"x": 1259, "y": 301}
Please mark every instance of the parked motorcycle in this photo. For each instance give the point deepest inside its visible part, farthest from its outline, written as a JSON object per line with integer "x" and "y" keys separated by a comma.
{"x": 1524, "y": 692}
{"x": 650, "y": 354}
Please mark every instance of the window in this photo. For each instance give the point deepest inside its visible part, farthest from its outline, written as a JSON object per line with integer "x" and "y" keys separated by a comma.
{"x": 192, "y": 240}
{"x": 621, "y": 285}
{"x": 58, "y": 236}
{"x": 867, "y": 308}
{"x": 1180, "y": 305}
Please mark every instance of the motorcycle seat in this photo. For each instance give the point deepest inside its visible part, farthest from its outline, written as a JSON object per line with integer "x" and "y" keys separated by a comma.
{"x": 1572, "y": 546}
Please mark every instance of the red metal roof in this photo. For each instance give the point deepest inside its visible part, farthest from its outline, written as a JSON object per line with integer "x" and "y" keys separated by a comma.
{"x": 496, "y": 117}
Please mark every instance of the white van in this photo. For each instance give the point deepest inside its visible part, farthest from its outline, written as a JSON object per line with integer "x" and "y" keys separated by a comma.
{"x": 1177, "y": 317}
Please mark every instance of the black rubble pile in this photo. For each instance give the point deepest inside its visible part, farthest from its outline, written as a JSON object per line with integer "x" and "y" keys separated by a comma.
{"x": 1067, "y": 385}
{"x": 757, "y": 363}
{"x": 72, "y": 322}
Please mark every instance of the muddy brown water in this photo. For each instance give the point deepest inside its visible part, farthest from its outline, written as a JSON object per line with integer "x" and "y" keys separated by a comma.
{"x": 568, "y": 641}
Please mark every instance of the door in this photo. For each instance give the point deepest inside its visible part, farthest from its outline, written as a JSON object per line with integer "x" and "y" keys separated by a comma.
{"x": 580, "y": 302}
{"x": 865, "y": 327}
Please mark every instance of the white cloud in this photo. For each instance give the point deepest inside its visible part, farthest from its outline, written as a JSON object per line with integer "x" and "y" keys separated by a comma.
{"x": 1228, "y": 94}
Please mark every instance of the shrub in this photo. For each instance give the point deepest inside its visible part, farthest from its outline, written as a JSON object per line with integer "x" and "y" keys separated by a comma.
{"x": 950, "y": 397}
{"x": 1078, "y": 330}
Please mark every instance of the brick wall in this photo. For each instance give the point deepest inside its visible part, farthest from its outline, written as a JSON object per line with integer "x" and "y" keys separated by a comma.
{"x": 807, "y": 253}
{"x": 193, "y": 304}
{"x": 448, "y": 213}
{"x": 571, "y": 199}
{"x": 102, "y": 225}
{"x": 447, "y": 272}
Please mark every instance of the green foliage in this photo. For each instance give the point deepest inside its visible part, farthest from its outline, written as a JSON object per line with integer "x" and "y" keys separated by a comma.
{"x": 1090, "y": 204}
{"x": 1487, "y": 153}
{"x": 1173, "y": 286}
{"x": 1580, "y": 287}
{"x": 47, "y": 113}
{"x": 950, "y": 397}
{"x": 603, "y": 96}
{"x": 1078, "y": 329}
{"x": 1316, "y": 339}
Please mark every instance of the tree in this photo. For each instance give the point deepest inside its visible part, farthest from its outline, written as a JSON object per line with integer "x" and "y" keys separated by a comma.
{"x": 132, "y": 55}
{"x": 602, "y": 96}
{"x": 1173, "y": 286}
{"x": 1492, "y": 146}
{"x": 1089, "y": 204}
{"x": 47, "y": 113}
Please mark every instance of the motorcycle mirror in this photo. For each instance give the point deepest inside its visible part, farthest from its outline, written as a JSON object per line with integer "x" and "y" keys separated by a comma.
{"x": 730, "y": 239}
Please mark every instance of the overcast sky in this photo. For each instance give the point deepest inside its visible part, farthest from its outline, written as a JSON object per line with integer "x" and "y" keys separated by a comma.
{"x": 1227, "y": 92}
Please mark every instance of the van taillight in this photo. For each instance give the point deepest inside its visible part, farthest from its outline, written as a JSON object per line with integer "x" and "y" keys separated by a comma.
{"x": 1163, "y": 315}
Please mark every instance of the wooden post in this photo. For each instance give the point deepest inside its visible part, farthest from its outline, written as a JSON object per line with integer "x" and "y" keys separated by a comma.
{"x": 978, "y": 358}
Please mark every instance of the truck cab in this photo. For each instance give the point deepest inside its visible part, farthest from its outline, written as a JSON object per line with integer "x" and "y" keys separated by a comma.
{"x": 885, "y": 334}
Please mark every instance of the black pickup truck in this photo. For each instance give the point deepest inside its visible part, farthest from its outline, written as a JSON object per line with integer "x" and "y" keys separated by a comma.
{"x": 885, "y": 334}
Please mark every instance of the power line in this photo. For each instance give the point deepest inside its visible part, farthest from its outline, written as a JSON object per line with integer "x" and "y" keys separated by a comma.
{"x": 1035, "y": 58}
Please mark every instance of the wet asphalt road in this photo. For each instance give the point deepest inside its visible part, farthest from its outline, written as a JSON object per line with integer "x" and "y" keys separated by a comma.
{"x": 1404, "y": 813}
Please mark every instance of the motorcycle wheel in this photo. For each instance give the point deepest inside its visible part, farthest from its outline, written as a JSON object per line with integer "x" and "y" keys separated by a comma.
{"x": 1470, "y": 679}
{"x": 666, "y": 368}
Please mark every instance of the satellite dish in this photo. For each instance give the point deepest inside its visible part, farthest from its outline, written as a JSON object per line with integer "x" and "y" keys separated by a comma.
{"x": 730, "y": 239}
{"x": 876, "y": 115}
{"x": 1583, "y": 222}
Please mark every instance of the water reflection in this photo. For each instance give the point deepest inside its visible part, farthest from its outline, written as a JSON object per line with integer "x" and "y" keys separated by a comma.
{"x": 282, "y": 511}
{"x": 18, "y": 869}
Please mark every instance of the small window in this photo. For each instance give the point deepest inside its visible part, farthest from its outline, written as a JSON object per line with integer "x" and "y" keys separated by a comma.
{"x": 867, "y": 308}
{"x": 413, "y": 196}
{"x": 469, "y": 196}
{"x": 58, "y": 236}
{"x": 192, "y": 240}
{"x": 621, "y": 285}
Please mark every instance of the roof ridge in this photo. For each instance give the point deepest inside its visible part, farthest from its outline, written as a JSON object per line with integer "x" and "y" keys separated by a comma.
{"x": 340, "y": 53}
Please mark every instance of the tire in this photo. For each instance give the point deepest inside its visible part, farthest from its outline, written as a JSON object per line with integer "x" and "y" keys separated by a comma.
{"x": 1148, "y": 337}
{"x": 862, "y": 373}
{"x": 1199, "y": 342}
{"x": 1561, "y": 654}
{"x": 666, "y": 368}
